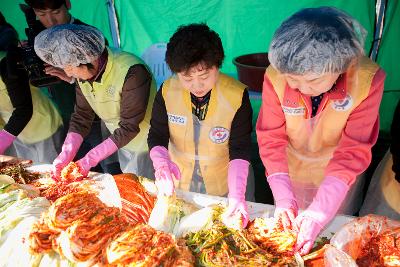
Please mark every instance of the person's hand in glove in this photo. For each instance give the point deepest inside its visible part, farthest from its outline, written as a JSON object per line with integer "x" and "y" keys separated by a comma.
{"x": 324, "y": 207}
{"x": 68, "y": 151}
{"x": 238, "y": 171}
{"x": 286, "y": 208}
{"x": 6, "y": 140}
{"x": 95, "y": 155}
{"x": 164, "y": 169}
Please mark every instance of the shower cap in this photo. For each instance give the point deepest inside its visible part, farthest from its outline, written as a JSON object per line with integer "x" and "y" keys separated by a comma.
{"x": 69, "y": 45}
{"x": 316, "y": 40}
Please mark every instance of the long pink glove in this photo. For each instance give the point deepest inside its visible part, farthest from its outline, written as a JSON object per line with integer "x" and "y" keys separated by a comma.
{"x": 285, "y": 202}
{"x": 238, "y": 171}
{"x": 6, "y": 140}
{"x": 68, "y": 151}
{"x": 325, "y": 205}
{"x": 95, "y": 155}
{"x": 164, "y": 168}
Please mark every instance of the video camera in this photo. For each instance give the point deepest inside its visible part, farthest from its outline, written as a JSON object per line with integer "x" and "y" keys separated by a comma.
{"x": 30, "y": 61}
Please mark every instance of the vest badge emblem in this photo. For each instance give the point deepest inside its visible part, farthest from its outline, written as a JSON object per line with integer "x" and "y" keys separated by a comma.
{"x": 343, "y": 104}
{"x": 111, "y": 90}
{"x": 218, "y": 135}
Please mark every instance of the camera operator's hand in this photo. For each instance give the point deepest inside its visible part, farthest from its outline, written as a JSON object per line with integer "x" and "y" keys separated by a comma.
{"x": 60, "y": 73}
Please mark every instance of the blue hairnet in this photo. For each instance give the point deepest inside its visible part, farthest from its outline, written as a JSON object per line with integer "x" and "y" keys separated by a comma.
{"x": 69, "y": 45}
{"x": 316, "y": 40}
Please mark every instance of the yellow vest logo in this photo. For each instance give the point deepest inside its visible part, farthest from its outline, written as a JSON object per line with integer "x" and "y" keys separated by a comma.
{"x": 343, "y": 104}
{"x": 111, "y": 90}
{"x": 294, "y": 111}
{"x": 177, "y": 119}
{"x": 218, "y": 135}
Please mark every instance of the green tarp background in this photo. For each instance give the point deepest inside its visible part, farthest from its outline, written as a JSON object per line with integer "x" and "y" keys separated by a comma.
{"x": 244, "y": 26}
{"x": 389, "y": 59}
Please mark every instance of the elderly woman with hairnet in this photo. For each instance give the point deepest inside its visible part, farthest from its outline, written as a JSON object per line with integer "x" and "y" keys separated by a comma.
{"x": 319, "y": 119}
{"x": 115, "y": 85}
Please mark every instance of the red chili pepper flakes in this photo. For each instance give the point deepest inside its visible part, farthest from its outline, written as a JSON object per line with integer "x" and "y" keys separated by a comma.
{"x": 57, "y": 190}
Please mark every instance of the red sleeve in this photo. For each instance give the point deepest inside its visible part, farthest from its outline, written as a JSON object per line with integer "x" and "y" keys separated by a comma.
{"x": 353, "y": 154}
{"x": 271, "y": 131}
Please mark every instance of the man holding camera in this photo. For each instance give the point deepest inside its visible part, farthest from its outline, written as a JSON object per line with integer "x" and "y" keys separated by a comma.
{"x": 49, "y": 14}
{"x": 30, "y": 124}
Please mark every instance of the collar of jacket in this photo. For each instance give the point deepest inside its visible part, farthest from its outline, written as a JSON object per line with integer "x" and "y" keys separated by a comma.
{"x": 292, "y": 96}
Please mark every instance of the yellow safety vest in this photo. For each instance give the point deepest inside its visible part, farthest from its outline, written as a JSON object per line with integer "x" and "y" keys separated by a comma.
{"x": 213, "y": 147}
{"x": 313, "y": 141}
{"x": 105, "y": 96}
{"x": 45, "y": 119}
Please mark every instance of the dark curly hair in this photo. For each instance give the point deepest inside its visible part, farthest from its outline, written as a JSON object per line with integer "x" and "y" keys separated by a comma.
{"x": 194, "y": 44}
{"x": 45, "y": 4}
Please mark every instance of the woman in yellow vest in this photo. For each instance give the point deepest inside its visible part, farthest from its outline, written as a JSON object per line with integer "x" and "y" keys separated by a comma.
{"x": 383, "y": 196}
{"x": 201, "y": 123}
{"x": 31, "y": 125}
{"x": 319, "y": 119}
{"x": 115, "y": 85}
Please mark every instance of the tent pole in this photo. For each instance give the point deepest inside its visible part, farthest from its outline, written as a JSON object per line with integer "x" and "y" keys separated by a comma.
{"x": 380, "y": 10}
{"x": 113, "y": 22}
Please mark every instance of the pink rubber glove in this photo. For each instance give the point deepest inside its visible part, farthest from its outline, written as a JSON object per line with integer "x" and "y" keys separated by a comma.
{"x": 324, "y": 207}
{"x": 285, "y": 202}
{"x": 164, "y": 168}
{"x": 68, "y": 151}
{"x": 238, "y": 171}
{"x": 6, "y": 140}
{"x": 95, "y": 155}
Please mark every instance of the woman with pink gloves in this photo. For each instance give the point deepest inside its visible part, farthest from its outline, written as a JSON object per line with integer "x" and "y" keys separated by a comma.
{"x": 319, "y": 119}
{"x": 114, "y": 85}
{"x": 200, "y": 133}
